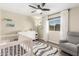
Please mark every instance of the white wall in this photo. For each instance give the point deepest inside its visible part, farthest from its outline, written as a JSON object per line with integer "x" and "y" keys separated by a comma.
{"x": 37, "y": 20}
{"x": 74, "y": 20}
{"x": 41, "y": 23}
{"x": 45, "y": 26}
{"x": 0, "y": 23}
{"x": 21, "y": 22}
{"x": 38, "y": 26}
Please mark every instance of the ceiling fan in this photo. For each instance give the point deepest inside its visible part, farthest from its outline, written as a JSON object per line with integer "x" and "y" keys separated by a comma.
{"x": 39, "y": 7}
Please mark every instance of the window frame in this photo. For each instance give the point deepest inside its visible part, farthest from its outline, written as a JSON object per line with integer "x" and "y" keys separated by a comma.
{"x": 54, "y": 26}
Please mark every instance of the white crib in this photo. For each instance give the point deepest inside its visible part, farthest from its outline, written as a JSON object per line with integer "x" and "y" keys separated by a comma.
{"x": 22, "y": 47}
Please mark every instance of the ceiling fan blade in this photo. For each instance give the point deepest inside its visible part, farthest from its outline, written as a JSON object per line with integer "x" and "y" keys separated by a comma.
{"x": 39, "y": 7}
{"x": 32, "y": 6}
{"x": 46, "y": 9}
{"x": 43, "y": 4}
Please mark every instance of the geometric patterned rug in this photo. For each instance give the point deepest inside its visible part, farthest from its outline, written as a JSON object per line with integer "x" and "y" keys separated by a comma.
{"x": 43, "y": 49}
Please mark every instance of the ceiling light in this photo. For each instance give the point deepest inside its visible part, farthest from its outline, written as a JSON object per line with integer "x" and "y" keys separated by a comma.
{"x": 39, "y": 11}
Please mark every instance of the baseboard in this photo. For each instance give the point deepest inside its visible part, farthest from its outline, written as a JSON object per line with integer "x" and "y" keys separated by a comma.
{"x": 53, "y": 43}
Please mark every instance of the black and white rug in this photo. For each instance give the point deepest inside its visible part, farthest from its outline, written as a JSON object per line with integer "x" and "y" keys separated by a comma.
{"x": 43, "y": 49}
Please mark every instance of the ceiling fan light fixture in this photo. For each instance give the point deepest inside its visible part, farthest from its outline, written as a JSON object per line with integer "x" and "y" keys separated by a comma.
{"x": 38, "y": 11}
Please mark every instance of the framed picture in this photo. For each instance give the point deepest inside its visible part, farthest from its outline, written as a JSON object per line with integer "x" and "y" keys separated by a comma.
{"x": 9, "y": 22}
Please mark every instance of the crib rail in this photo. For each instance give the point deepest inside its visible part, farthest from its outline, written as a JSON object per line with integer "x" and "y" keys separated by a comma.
{"x": 17, "y": 48}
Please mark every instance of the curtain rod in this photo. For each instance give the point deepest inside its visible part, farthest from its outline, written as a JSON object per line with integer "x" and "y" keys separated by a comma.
{"x": 59, "y": 12}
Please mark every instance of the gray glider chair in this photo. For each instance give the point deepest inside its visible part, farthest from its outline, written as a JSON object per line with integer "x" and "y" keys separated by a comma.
{"x": 71, "y": 44}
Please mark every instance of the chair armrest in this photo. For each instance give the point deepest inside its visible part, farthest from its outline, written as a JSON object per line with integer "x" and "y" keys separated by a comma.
{"x": 77, "y": 46}
{"x": 62, "y": 41}
{"x": 77, "y": 49}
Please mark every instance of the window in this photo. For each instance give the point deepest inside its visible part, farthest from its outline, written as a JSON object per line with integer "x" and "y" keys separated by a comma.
{"x": 54, "y": 24}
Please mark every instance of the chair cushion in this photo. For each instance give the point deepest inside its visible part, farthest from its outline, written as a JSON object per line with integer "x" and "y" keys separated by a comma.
{"x": 69, "y": 46}
{"x": 73, "y": 37}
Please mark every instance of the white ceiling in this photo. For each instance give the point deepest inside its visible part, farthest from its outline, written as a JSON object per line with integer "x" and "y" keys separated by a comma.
{"x": 23, "y": 8}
